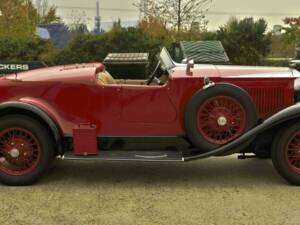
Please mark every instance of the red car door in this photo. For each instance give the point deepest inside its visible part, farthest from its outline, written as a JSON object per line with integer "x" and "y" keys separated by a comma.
{"x": 146, "y": 104}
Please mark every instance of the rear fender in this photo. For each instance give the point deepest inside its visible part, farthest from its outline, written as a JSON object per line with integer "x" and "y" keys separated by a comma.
{"x": 286, "y": 115}
{"x": 32, "y": 110}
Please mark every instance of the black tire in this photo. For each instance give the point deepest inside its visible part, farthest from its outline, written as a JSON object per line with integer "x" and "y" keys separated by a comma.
{"x": 221, "y": 89}
{"x": 45, "y": 153}
{"x": 279, "y": 158}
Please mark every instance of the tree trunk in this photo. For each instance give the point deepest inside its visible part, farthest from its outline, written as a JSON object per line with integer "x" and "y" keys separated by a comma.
{"x": 179, "y": 16}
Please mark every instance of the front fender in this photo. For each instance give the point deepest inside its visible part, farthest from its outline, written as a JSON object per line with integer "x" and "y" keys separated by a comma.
{"x": 290, "y": 113}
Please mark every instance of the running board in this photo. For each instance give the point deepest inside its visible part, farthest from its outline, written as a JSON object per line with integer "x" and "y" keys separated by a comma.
{"x": 133, "y": 156}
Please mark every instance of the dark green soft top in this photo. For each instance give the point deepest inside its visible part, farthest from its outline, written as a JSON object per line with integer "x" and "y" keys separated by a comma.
{"x": 201, "y": 52}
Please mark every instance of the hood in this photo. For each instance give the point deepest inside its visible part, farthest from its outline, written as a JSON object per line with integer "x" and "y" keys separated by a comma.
{"x": 254, "y": 71}
{"x": 234, "y": 71}
{"x": 76, "y": 72}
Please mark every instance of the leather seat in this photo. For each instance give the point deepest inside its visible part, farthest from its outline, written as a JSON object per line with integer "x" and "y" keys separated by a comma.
{"x": 105, "y": 78}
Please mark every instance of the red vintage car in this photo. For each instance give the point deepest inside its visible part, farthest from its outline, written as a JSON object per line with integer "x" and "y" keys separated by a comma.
{"x": 183, "y": 112}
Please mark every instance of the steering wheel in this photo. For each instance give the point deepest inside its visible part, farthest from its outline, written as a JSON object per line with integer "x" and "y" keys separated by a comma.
{"x": 152, "y": 77}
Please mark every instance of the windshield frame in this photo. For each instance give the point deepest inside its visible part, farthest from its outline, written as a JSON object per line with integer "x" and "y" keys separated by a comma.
{"x": 166, "y": 59}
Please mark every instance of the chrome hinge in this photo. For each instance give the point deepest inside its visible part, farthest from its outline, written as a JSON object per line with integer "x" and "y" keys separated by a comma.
{"x": 207, "y": 83}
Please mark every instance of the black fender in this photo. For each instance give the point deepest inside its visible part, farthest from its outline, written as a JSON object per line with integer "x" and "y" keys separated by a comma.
{"x": 34, "y": 110}
{"x": 288, "y": 114}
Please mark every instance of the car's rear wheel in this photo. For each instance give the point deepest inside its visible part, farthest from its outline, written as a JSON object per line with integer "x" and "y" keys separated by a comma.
{"x": 26, "y": 150}
{"x": 218, "y": 115}
{"x": 286, "y": 153}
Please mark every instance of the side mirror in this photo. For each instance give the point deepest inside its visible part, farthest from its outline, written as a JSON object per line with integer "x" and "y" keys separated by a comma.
{"x": 190, "y": 65}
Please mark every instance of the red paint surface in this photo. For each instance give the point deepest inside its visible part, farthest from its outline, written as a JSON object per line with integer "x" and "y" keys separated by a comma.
{"x": 85, "y": 140}
{"x": 71, "y": 96}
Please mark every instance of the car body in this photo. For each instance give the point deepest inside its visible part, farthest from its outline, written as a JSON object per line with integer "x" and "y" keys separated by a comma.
{"x": 81, "y": 107}
{"x": 123, "y": 110}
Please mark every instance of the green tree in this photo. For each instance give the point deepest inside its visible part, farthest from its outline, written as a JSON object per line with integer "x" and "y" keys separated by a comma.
{"x": 46, "y": 14}
{"x": 245, "y": 41}
{"x": 179, "y": 14}
{"x": 292, "y": 29}
{"x": 88, "y": 47}
{"x": 17, "y": 18}
{"x": 30, "y": 49}
{"x": 280, "y": 48}
{"x": 79, "y": 21}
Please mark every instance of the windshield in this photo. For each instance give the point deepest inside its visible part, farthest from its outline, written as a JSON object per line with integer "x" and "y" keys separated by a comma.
{"x": 166, "y": 60}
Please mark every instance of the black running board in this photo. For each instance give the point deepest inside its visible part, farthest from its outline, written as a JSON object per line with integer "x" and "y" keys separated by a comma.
{"x": 133, "y": 156}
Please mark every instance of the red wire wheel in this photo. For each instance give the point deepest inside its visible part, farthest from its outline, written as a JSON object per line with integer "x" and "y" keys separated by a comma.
{"x": 217, "y": 115}
{"x": 221, "y": 119}
{"x": 20, "y": 151}
{"x": 292, "y": 152}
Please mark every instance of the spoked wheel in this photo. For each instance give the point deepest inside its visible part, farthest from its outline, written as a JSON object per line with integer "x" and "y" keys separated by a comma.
{"x": 292, "y": 152}
{"x": 20, "y": 151}
{"x": 219, "y": 115}
{"x": 221, "y": 119}
{"x": 286, "y": 153}
{"x": 26, "y": 149}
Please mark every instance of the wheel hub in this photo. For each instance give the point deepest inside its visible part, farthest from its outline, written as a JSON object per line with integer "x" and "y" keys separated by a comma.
{"x": 222, "y": 121}
{"x": 14, "y": 153}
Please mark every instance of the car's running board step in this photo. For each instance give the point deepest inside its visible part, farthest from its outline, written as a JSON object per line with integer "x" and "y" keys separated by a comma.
{"x": 142, "y": 156}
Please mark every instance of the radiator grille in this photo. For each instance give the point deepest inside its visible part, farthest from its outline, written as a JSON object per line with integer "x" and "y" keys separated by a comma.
{"x": 268, "y": 100}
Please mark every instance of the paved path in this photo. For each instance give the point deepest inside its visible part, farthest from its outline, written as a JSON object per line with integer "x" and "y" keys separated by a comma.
{"x": 214, "y": 191}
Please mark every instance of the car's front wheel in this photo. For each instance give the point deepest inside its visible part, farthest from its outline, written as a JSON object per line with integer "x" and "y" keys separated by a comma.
{"x": 286, "y": 153}
{"x": 26, "y": 150}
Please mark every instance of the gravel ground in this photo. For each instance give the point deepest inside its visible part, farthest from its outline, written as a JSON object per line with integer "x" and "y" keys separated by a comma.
{"x": 213, "y": 191}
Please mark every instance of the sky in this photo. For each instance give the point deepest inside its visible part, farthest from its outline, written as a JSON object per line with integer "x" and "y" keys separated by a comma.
{"x": 221, "y": 10}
